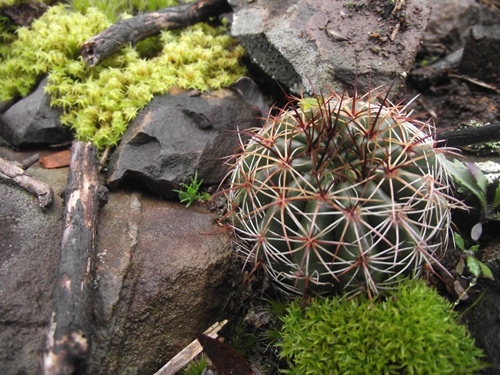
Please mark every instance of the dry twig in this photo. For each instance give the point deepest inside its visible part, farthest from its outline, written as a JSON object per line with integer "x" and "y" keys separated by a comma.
{"x": 476, "y": 82}
{"x": 142, "y": 26}
{"x": 67, "y": 343}
{"x": 17, "y": 174}
{"x": 187, "y": 354}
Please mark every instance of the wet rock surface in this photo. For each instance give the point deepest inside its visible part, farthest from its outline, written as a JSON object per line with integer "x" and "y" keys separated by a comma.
{"x": 163, "y": 276}
{"x": 30, "y": 241}
{"x": 164, "y": 273}
{"x": 329, "y": 44}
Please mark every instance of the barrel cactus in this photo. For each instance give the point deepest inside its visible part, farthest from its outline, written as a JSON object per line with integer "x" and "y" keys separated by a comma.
{"x": 341, "y": 193}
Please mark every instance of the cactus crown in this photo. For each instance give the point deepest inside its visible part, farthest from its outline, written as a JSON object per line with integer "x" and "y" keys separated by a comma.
{"x": 341, "y": 193}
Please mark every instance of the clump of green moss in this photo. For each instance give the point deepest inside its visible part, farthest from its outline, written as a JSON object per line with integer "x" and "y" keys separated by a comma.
{"x": 50, "y": 44}
{"x": 114, "y": 8}
{"x": 99, "y": 102}
{"x": 414, "y": 331}
{"x": 7, "y": 36}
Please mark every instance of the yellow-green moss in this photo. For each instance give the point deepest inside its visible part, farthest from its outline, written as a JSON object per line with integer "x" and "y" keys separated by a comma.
{"x": 114, "y": 8}
{"x": 99, "y": 102}
{"x": 52, "y": 42}
{"x": 7, "y": 36}
{"x": 6, "y": 2}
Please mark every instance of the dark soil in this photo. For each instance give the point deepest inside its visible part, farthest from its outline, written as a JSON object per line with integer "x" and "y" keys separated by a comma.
{"x": 451, "y": 102}
{"x": 23, "y": 14}
{"x": 448, "y": 95}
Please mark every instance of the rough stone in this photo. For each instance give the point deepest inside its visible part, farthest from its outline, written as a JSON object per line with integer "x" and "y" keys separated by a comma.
{"x": 178, "y": 135}
{"x": 30, "y": 241}
{"x": 491, "y": 170}
{"x": 449, "y": 22}
{"x": 32, "y": 121}
{"x": 163, "y": 277}
{"x": 329, "y": 44}
{"x": 481, "y": 52}
{"x": 163, "y": 274}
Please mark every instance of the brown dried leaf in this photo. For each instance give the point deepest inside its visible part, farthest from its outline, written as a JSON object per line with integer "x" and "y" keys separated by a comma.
{"x": 225, "y": 359}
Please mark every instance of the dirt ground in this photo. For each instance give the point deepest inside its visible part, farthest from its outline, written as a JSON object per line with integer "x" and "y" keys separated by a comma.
{"x": 451, "y": 102}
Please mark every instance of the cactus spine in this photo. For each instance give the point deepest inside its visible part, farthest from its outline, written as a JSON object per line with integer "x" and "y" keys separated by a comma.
{"x": 341, "y": 193}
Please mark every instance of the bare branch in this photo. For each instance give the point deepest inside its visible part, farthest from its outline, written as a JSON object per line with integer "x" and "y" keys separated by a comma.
{"x": 67, "y": 344}
{"x": 470, "y": 136}
{"x": 142, "y": 26}
{"x": 18, "y": 175}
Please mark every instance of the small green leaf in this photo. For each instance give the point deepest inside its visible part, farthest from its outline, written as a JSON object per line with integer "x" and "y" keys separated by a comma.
{"x": 459, "y": 241}
{"x": 474, "y": 266}
{"x": 496, "y": 200}
{"x": 474, "y": 248}
{"x": 478, "y": 176}
{"x": 459, "y": 269}
{"x": 468, "y": 177}
{"x": 190, "y": 193}
{"x": 485, "y": 270}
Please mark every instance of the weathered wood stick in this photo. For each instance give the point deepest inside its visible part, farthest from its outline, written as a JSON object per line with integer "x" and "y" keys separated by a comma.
{"x": 470, "y": 136}
{"x": 187, "y": 354}
{"x": 142, "y": 26}
{"x": 14, "y": 172}
{"x": 67, "y": 344}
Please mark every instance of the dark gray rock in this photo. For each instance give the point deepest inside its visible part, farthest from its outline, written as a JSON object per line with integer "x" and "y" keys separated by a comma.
{"x": 175, "y": 136}
{"x": 481, "y": 53}
{"x": 449, "y": 22}
{"x": 30, "y": 242}
{"x": 328, "y": 44}
{"x": 483, "y": 323}
{"x": 32, "y": 121}
{"x": 251, "y": 94}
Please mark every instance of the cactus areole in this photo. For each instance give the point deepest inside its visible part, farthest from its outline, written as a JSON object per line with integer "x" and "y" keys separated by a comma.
{"x": 341, "y": 194}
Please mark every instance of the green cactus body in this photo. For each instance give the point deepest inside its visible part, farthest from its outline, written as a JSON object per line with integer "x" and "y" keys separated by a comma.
{"x": 341, "y": 194}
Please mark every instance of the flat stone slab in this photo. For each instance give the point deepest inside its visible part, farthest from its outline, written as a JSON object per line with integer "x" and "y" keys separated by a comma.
{"x": 163, "y": 271}
{"x": 177, "y": 136}
{"x": 30, "y": 243}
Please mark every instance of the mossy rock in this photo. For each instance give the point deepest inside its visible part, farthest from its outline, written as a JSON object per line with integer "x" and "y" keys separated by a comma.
{"x": 100, "y": 102}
